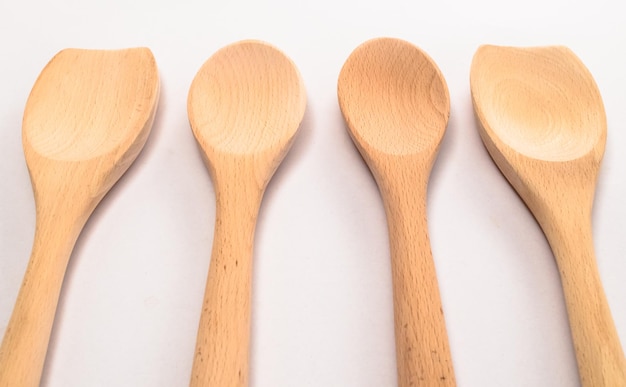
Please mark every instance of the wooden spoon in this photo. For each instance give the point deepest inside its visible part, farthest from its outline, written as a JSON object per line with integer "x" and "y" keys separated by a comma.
{"x": 543, "y": 122}
{"x": 396, "y": 104}
{"x": 86, "y": 119}
{"x": 245, "y": 106}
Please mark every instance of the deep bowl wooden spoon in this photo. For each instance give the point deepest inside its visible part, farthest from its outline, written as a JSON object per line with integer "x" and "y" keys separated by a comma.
{"x": 86, "y": 119}
{"x": 245, "y": 106}
{"x": 396, "y": 104}
{"x": 542, "y": 120}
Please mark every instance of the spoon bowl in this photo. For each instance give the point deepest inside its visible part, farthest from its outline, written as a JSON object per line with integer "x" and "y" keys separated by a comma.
{"x": 245, "y": 106}
{"x": 392, "y": 93}
{"x": 522, "y": 107}
{"x": 542, "y": 120}
{"x": 86, "y": 120}
{"x": 396, "y": 105}
{"x": 110, "y": 112}
{"x": 245, "y": 73}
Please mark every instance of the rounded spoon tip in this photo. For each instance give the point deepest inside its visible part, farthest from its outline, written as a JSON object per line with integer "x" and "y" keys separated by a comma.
{"x": 388, "y": 84}
{"x": 246, "y": 98}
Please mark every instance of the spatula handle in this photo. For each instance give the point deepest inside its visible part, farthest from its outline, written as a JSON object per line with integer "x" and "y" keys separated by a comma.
{"x": 422, "y": 348}
{"x": 25, "y": 342}
{"x": 222, "y": 345}
{"x": 598, "y": 351}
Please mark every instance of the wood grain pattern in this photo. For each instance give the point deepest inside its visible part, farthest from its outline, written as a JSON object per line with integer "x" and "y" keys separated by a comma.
{"x": 245, "y": 106}
{"x": 543, "y": 122}
{"x": 86, "y": 120}
{"x": 396, "y": 105}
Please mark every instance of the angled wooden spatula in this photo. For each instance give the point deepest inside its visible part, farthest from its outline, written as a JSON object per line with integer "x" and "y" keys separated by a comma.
{"x": 86, "y": 120}
{"x": 543, "y": 122}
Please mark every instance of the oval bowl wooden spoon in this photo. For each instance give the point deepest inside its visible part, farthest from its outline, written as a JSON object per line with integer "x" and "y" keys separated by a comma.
{"x": 245, "y": 106}
{"x": 86, "y": 120}
{"x": 396, "y": 104}
{"x": 542, "y": 120}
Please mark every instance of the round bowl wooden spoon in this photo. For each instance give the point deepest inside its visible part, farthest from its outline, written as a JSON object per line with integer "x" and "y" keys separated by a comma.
{"x": 543, "y": 122}
{"x": 396, "y": 104}
{"x": 86, "y": 119}
{"x": 245, "y": 106}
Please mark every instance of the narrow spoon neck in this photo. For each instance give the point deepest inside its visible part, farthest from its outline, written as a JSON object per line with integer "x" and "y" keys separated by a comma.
{"x": 598, "y": 351}
{"x": 237, "y": 208}
{"x": 564, "y": 212}
{"x": 559, "y": 194}
{"x": 238, "y": 195}
{"x": 422, "y": 347}
{"x": 59, "y": 221}
{"x": 569, "y": 233}
{"x": 222, "y": 345}
{"x": 402, "y": 177}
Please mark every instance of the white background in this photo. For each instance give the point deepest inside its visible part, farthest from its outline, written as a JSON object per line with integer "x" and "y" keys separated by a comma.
{"x": 322, "y": 312}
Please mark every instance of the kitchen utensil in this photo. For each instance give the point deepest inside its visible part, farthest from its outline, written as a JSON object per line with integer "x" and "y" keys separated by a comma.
{"x": 396, "y": 104}
{"x": 86, "y": 120}
{"x": 543, "y": 122}
{"x": 245, "y": 106}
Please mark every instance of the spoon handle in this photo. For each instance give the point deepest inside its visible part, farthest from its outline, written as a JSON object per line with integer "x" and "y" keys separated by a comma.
{"x": 25, "y": 342}
{"x": 598, "y": 351}
{"x": 422, "y": 348}
{"x": 222, "y": 345}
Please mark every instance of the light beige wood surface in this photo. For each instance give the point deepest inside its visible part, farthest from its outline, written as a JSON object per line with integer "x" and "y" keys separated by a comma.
{"x": 396, "y": 105}
{"x": 86, "y": 120}
{"x": 245, "y": 106}
{"x": 542, "y": 120}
